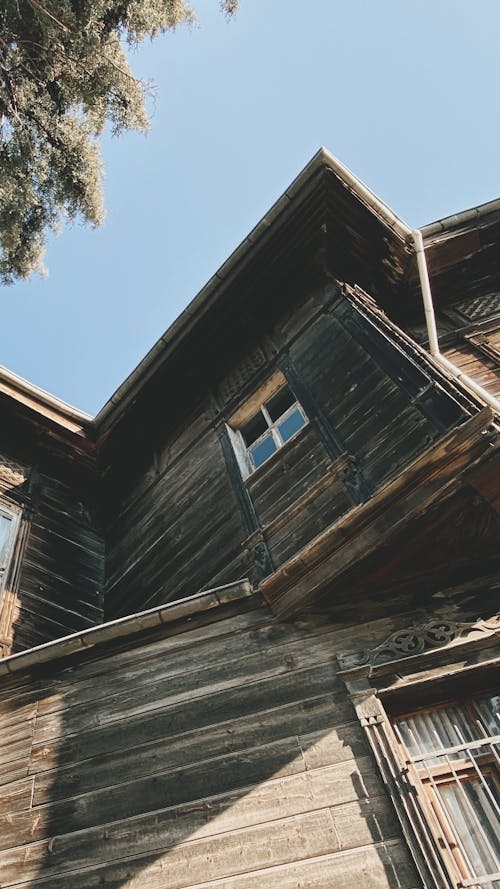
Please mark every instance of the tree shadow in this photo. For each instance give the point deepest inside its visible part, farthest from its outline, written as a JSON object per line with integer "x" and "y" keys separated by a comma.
{"x": 174, "y": 765}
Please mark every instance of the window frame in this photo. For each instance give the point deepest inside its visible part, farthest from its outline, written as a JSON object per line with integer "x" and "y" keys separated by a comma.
{"x": 451, "y": 660}
{"x": 428, "y": 777}
{"x": 251, "y": 408}
{"x": 14, "y": 515}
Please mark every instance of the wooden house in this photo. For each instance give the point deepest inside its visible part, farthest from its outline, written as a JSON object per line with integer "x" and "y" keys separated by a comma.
{"x": 249, "y": 612}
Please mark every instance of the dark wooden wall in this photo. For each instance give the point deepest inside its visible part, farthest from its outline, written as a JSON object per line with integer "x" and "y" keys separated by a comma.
{"x": 55, "y": 581}
{"x": 60, "y": 587}
{"x": 178, "y": 529}
{"x": 472, "y": 339}
{"x": 180, "y": 519}
{"x": 222, "y": 752}
{"x": 469, "y": 333}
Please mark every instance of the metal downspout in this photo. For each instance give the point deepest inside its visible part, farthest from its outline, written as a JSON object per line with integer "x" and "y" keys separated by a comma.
{"x": 430, "y": 320}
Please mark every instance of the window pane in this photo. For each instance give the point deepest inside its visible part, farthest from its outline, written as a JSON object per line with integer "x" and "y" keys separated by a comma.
{"x": 489, "y": 709}
{"x": 470, "y": 806}
{"x": 454, "y": 760}
{"x": 291, "y": 425}
{"x": 254, "y": 428}
{"x": 5, "y": 530}
{"x": 263, "y": 450}
{"x": 436, "y": 730}
{"x": 280, "y": 403}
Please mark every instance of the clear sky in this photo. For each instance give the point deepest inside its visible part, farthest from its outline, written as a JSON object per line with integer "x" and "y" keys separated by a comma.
{"x": 406, "y": 94}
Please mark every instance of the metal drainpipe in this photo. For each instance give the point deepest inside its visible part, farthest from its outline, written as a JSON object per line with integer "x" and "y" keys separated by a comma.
{"x": 430, "y": 320}
{"x": 376, "y": 204}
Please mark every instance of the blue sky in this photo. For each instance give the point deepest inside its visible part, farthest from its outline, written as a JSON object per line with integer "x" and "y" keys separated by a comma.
{"x": 407, "y": 95}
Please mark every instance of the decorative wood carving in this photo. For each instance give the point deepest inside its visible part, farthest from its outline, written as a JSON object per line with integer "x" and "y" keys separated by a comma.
{"x": 416, "y": 640}
{"x": 242, "y": 373}
{"x": 12, "y": 474}
{"x": 480, "y": 306}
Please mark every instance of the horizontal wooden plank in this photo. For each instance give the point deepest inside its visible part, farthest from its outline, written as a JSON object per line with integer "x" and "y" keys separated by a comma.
{"x": 347, "y": 781}
{"x": 186, "y": 675}
{"x": 172, "y": 643}
{"x": 326, "y": 745}
{"x": 16, "y": 796}
{"x": 214, "y": 850}
{"x": 386, "y": 865}
{"x": 174, "y": 717}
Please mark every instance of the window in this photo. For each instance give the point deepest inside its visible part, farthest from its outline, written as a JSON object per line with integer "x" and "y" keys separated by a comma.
{"x": 8, "y": 528}
{"x": 266, "y": 423}
{"x": 452, "y": 753}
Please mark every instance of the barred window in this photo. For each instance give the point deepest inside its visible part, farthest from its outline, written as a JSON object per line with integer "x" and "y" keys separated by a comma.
{"x": 452, "y": 754}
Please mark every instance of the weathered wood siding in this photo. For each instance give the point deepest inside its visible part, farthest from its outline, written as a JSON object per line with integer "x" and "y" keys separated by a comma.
{"x": 60, "y": 588}
{"x": 469, "y": 334}
{"x": 181, "y": 519}
{"x": 179, "y": 529}
{"x": 371, "y": 414}
{"x": 54, "y": 585}
{"x": 224, "y": 753}
{"x": 483, "y": 369}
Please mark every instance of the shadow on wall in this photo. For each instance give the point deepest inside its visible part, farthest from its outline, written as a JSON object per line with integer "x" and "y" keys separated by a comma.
{"x": 196, "y": 758}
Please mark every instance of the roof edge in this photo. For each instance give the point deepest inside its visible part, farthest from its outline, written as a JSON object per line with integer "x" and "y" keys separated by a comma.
{"x": 457, "y": 220}
{"x": 24, "y": 387}
{"x": 322, "y": 159}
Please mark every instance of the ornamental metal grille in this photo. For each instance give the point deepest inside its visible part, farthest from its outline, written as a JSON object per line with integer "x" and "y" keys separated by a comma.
{"x": 453, "y": 759}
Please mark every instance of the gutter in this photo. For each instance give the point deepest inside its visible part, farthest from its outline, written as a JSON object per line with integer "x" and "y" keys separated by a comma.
{"x": 182, "y": 325}
{"x": 126, "y": 626}
{"x": 415, "y": 236}
{"x": 51, "y": 401}
{"x": 323, "y": 158}
{"x": 459, "y": 220}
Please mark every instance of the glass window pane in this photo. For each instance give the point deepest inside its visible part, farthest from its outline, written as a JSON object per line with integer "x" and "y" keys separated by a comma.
{"x": 470, "y": 806}
{"x": 489, "y": 709}
{"x": 436, "y": 730}
{"x": 5, "y": 530}
{"x": 263, "y": 450}
{"x": 279, "y": 403}
{"x": 255, "y": 427}
{"x": 291, "y": 424}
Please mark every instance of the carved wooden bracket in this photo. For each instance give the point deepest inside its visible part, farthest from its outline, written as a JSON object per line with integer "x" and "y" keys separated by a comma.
{"x": 415, "y": 640}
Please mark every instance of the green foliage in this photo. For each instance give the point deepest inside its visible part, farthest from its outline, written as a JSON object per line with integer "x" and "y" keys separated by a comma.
{"x": 63, "y": 75}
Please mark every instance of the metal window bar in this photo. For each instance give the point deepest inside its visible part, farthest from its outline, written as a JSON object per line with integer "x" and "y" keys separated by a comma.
{"x": 457, "y": 748}
{"x": 411, "y": 816}
{"x": 422, "y": 764}
{"x": 451, "y": 817}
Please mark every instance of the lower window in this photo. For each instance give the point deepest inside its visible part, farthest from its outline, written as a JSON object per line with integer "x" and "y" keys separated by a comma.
{"x": 452, "y": 753}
